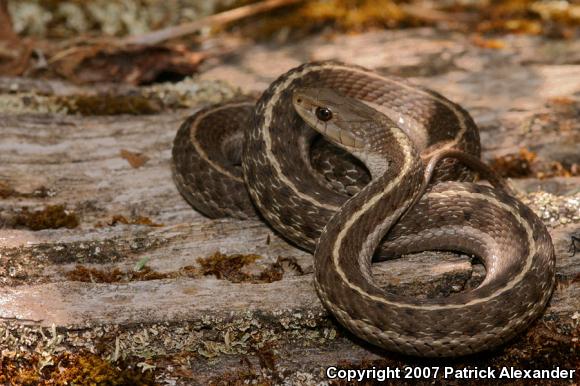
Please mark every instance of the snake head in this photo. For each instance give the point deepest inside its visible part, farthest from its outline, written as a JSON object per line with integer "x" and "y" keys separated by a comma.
{"x": 347, "y": 122}
{"x": 350, "y": 124}
{"x": 331, "y": 115}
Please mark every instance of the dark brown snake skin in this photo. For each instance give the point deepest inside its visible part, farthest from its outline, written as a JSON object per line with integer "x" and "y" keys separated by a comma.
{"x": 284, "y": 162}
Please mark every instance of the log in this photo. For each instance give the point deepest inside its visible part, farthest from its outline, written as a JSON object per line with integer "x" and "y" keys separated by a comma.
{"x": 140, "y": 247}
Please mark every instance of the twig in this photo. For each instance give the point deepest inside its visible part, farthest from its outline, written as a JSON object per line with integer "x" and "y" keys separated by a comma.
{"x": 161, "y": 35}
{"x": 6, "y": 28}
{"x": 573, "y": 248}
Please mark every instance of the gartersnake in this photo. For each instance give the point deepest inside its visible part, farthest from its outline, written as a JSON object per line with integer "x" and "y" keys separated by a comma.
{"x": 394, "y": 128}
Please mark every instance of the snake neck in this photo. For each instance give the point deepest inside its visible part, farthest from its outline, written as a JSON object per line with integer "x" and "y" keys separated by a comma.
{"x": 351, "y": 237}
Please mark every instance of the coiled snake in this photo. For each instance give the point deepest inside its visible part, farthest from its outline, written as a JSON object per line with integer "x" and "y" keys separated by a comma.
{"x": 233, "y": 158}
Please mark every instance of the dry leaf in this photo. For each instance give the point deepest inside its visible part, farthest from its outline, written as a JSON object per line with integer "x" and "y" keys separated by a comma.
{"x": 482, "y": 42}
{"x": 136, "y": 160}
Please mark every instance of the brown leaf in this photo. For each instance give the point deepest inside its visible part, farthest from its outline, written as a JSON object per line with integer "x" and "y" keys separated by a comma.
{"x": 482, "y": 42}
{"x": 561, "y": 100}
{"x": 136, "y": 160}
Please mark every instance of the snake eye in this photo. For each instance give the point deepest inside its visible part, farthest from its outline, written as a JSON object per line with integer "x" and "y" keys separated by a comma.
{"x": 323, "y": 113}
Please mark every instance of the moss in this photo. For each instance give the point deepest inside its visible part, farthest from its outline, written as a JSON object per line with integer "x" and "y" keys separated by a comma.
{"x": 28, "y": 262}
{"x": 93, "y": 275}
{"x": 513, "y": 16}
{"x": 230, "y": 267}
{"x": 514, "y": 165}
{"x": 109, "y": 104}
{"x": 65, "y": 18}
{"x": 226, "y": 267}
{"x": 6, "y": 190}
{"x": 145, "y": 100}
{"x": 526, "y": 164}
{"x": 313, "y": 16}
{"x": 70, "y": 369}
{"x": 136, "y": 220}
{"x": 115, "y": 275}
{"x": 355, "y": 14}
{"x": 51, "y": 217}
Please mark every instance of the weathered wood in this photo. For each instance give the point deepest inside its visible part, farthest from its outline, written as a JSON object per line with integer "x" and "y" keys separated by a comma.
{"x": 76, "y": 161}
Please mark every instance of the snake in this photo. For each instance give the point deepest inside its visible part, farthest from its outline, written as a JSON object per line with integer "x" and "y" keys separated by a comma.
{"x": 356, "y": 167}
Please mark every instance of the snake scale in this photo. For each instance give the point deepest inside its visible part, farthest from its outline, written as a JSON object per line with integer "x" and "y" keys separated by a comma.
{"x": 353, "y": 165}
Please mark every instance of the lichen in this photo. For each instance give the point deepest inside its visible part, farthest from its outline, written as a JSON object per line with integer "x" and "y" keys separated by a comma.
{"x": 26, "y": 264}
{"x": 187, "y": 93}
{"x": 554, "y": 210}
{"x": 69, "y": 18}
{"x": 250, "y": 337}
{"x": 27, "y": 102}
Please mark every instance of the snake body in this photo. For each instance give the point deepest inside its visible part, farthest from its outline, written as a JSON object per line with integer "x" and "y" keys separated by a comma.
{"x": 394, "y": 129}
